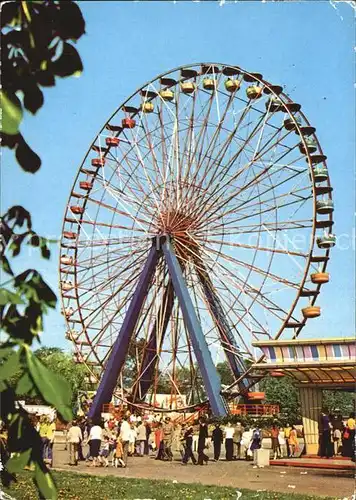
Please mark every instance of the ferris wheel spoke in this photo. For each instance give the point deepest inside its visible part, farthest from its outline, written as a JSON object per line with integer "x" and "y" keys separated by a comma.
{"x": 112, "y": 261}
{"x": 226, "y": 338}
{"x": 295, "y": 194}
{"x": 106, "y": 283}
{"x": 262, "y": 249}
{"x": 257, "y": 155}
{"x": 258, "y": 270}
{"x": 246, "y": 203}
{"x": 142, "y": 222}
{"x": 257, "y": 296}
{"x": 237, "y": 303}
{"x": 228, "y": 142}
{"x": 229, "y": 198}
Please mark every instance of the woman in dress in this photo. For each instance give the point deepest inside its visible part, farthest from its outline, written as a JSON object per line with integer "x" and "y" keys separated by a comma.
{"x": 293, "y": 442}
{"x": 94, "y": 440}
{"x": 256, "y": 440}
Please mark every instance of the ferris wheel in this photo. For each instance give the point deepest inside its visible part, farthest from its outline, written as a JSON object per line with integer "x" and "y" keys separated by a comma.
{"x": 199, "y": 222}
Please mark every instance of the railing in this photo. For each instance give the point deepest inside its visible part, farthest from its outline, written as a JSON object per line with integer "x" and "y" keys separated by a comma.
{"x": 257, "y": 410}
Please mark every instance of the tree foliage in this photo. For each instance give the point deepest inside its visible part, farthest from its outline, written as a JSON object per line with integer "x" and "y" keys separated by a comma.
{"x": 284, "y": 392}
{"x": 63, "y": 365}
{"x": 339, "y": 402}
{"x": 225, "y": 373}
{"x": 36, "y": 48}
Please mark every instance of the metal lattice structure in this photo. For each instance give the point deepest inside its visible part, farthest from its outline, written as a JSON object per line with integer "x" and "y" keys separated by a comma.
{"x": 207, "y": 175}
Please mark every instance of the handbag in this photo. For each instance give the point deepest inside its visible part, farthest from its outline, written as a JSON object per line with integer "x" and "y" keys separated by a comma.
{"x": 347, "y": 434}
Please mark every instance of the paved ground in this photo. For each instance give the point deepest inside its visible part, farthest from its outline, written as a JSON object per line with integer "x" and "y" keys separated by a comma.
{"x": 239, "y": 474}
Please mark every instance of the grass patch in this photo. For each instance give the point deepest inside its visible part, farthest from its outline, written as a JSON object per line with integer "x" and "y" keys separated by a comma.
{"x": 74, "y": 486}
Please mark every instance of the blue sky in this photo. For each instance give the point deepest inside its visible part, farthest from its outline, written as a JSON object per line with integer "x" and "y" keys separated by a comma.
{"x": 308, "y": 47}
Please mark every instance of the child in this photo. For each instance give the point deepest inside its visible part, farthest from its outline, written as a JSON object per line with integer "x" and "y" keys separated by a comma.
{"x": 104, "y": 452}
{"x": 119, "y": 452}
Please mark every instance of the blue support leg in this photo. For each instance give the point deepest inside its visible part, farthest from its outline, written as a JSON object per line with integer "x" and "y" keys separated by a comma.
{"x": 119, "y": 351}
{"x": 210, "y": 376}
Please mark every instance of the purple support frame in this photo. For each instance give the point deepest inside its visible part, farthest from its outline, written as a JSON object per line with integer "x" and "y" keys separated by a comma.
{"x": 150, "y": 353}
{"x": 119, "y": 351}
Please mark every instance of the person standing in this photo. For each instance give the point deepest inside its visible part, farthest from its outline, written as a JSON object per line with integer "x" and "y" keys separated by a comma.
{"x": 348, "y": 437}
{"x": 94, "y": 439}
{"x": 82, "y": 425}
{"x": 167, "y": 438}
{"x": 132, "y": 439}
{"x": 182, "y": 431}
{"x": 159, "y": 441}
{"x": 229, "y": 441}
{"x": 237, "y": 437}
{"x": 287, "y": 430}
{"x": 325, "y": 444}
{"x": 351, "y": 425}
{"x": 74, "y": 438}
{"x": 43, "y": 428}
{"x": 141, "y": 439}
{"x": 203, "y": 436}
{"x": 293, "y": 442}
{"x": 246, "y": 442}
{"x": 188, "y": 443}
{"x": 217, "y": 438}
{"x": 256, "y": 440}
{"x": 51, "y": 428}
{"x": 148, "y": 433}
{"x": 124, "y": 437}
{"x": 276, "y": 449}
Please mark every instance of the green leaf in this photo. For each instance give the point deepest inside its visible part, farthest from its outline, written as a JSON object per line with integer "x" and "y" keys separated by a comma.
{"x": 5, "y": 351}
{"x": 70, "y": 21}
{"x": 45, "y": 484}
{"x": 24, "y": 385}
{"x": 6, "y": 265}
{"x": 10, "y": 366}
{"x": 11, "y": 113}
{"x": 20, "y": 214}
{"x": 18, "y": 461}
{"x": 7, "y": 297}
{"x": 33, "y": 98}
{"x": 68, "y": 63}
{"x": 27, "y": 158}
{"x": 55, "y": 390}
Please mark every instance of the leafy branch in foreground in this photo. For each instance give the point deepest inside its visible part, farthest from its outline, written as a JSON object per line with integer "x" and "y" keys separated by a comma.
{"x": 24, "y": 300}
{"x": 36, "y": 48}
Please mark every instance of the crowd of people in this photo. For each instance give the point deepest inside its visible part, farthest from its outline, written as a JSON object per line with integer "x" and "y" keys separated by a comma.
{"x": 113, "y": 442}
{"x": 336, "y": 436}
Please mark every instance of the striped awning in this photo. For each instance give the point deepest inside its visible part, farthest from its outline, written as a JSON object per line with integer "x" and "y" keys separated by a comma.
{"x": 323, "y": 362}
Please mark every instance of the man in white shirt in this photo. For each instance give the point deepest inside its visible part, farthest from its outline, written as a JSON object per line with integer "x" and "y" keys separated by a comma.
{"x": 229, "y": 441}
{"x": 125, "y": 432}
{"x": 141, "y": 439}
{"x": 74, "y": 437}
